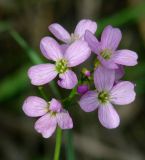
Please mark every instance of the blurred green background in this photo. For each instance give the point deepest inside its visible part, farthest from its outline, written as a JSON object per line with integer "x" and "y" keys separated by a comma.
{"x": 22, "y": 24}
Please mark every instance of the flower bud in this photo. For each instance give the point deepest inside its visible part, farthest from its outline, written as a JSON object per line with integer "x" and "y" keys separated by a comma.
{"x": 86, "y": 72}
{"x": 82, "y": 89}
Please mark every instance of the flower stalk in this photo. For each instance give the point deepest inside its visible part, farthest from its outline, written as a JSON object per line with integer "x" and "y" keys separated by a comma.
{"x": 58, "y": 144}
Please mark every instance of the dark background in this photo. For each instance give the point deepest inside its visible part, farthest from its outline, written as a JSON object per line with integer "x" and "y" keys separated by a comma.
{"x": 22, "y": 24}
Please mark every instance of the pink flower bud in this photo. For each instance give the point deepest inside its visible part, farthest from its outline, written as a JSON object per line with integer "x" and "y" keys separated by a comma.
{"x": 82, "y": 89}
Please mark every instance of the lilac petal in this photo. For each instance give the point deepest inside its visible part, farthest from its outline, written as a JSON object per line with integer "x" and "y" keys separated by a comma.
{"x": 46, "y": 125}
{"x": 104, "y": 78}
{"x": 84, "y": 25}
{"x": 119, "y": 73}
{"x": 58, "y": 31}
{"x": 89, "y": 102}
{"x": 51, "y": 49}
{"x": 110, "y": 64}
{"x": 42, "y": 73}
{"x": 125, "y": 57}
{"x": 64, "y": 47}
{"x": 35, "y": 106}
{"x": 111, "y": 37}
{"x": 122, "y": 93}
{"x": 77, "y": 53}
{"x": 68, "y": 80}
{"x": 55, "y": 105}
{"x": 64, "y": 120}
{"x": 108, "y": 116}
{"x": 92, "y": 42}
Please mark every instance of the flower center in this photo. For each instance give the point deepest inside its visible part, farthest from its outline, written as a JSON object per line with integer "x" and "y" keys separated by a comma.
{"x": 73, "y": 38}
{"x": 103, "y": 97}
{"x": 61, "y": 66}
{"x": 106, "y": 54}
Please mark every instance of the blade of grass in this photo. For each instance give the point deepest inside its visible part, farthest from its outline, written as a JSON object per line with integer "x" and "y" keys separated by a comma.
{"x": 13, "y": 84}
{"x": 122, "y": 17}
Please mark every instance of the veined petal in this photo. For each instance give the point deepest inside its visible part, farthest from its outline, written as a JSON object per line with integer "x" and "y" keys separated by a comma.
{"x": 51, "y": 49}
{"x": 64, "y": 47}
{"x": 84, "y": 25}
{"x": 92, "y": 42}
{"x": 104, "y": 79}
{"x": 77, "y": 53}
{"x": 42, "y": 73}
{"x": 68, "y": 80}
{"x": 55, "y": 105}
{"x": 59, "y": 32}
{"x": 64, "y": 120}
{"x": 125, "y": 57}
{"x": 89, "y": 101}
{"x": 111, "y": 37}
{"x": 119, "y": 73}
{"x": 46, "y": 125}
{"x": 122, "y": 93}
{"x": 110, "y": 64}
{"x": 108, "y": 116}
{"x": 35, "y": 106}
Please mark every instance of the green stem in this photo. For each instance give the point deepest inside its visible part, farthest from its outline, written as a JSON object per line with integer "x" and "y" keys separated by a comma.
{"x": 58, "y": 144}
{"x": 42, "y": 92}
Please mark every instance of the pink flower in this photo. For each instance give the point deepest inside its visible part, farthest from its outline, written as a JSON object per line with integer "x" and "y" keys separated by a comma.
{"x": 106, "y": 49}
{"x": 59, "y": 32}
{"x": 105, "y": 95}
{"x": 74, "y": 55}
{"x": 50, "y": 115}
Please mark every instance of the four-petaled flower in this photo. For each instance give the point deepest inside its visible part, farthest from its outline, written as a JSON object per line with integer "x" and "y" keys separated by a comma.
{"x": 50, "y": 114}
{"x": 58, "y": 31}
{"x": 105, "y": 94}
{"x": 106, "y": 49}
{"x": 74, "y": 55}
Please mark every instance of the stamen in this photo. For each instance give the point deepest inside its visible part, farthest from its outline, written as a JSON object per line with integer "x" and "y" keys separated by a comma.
{"x": 61, "y": 66}
{"x": 103, "y": 97}
{"x": 106, "y": 54}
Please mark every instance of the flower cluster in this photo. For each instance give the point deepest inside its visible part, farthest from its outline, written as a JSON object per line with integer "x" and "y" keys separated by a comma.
{"x": 107, "y": 71}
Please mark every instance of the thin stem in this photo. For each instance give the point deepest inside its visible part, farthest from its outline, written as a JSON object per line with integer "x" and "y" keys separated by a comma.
{"x": 43, "y": 93}
{"x": 70, "y": 153}
{"x": 58, "y": 144}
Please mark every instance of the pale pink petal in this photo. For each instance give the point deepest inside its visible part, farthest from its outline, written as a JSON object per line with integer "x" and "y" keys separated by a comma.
{"x": 51, "y": 49}
{"x": 59, "y": 32}
{"x": 125, "y": 57}
{"x": 46, "y": 125}
{"x": 108, "y": 116}
{"x": 68, "y": 80}
{"x": 110, "y": 64}
{"x": 104, "y": 78}
{"x": 84, "y": 25}
{"x": 55, "y": 105}
{"x": 111, "y": 37}
{"x": 64, "y": 47}
{"x": 35, "y": 106}
{"x": 77, "y": 53}
{"x": 119, "y": 73}
{"x": 92, "y": 42}
{"x": 64, "y": 120}
{"x": 123, "y": 93}
{"x": 42, "y": 73}
{"x": 89, "y": 101}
